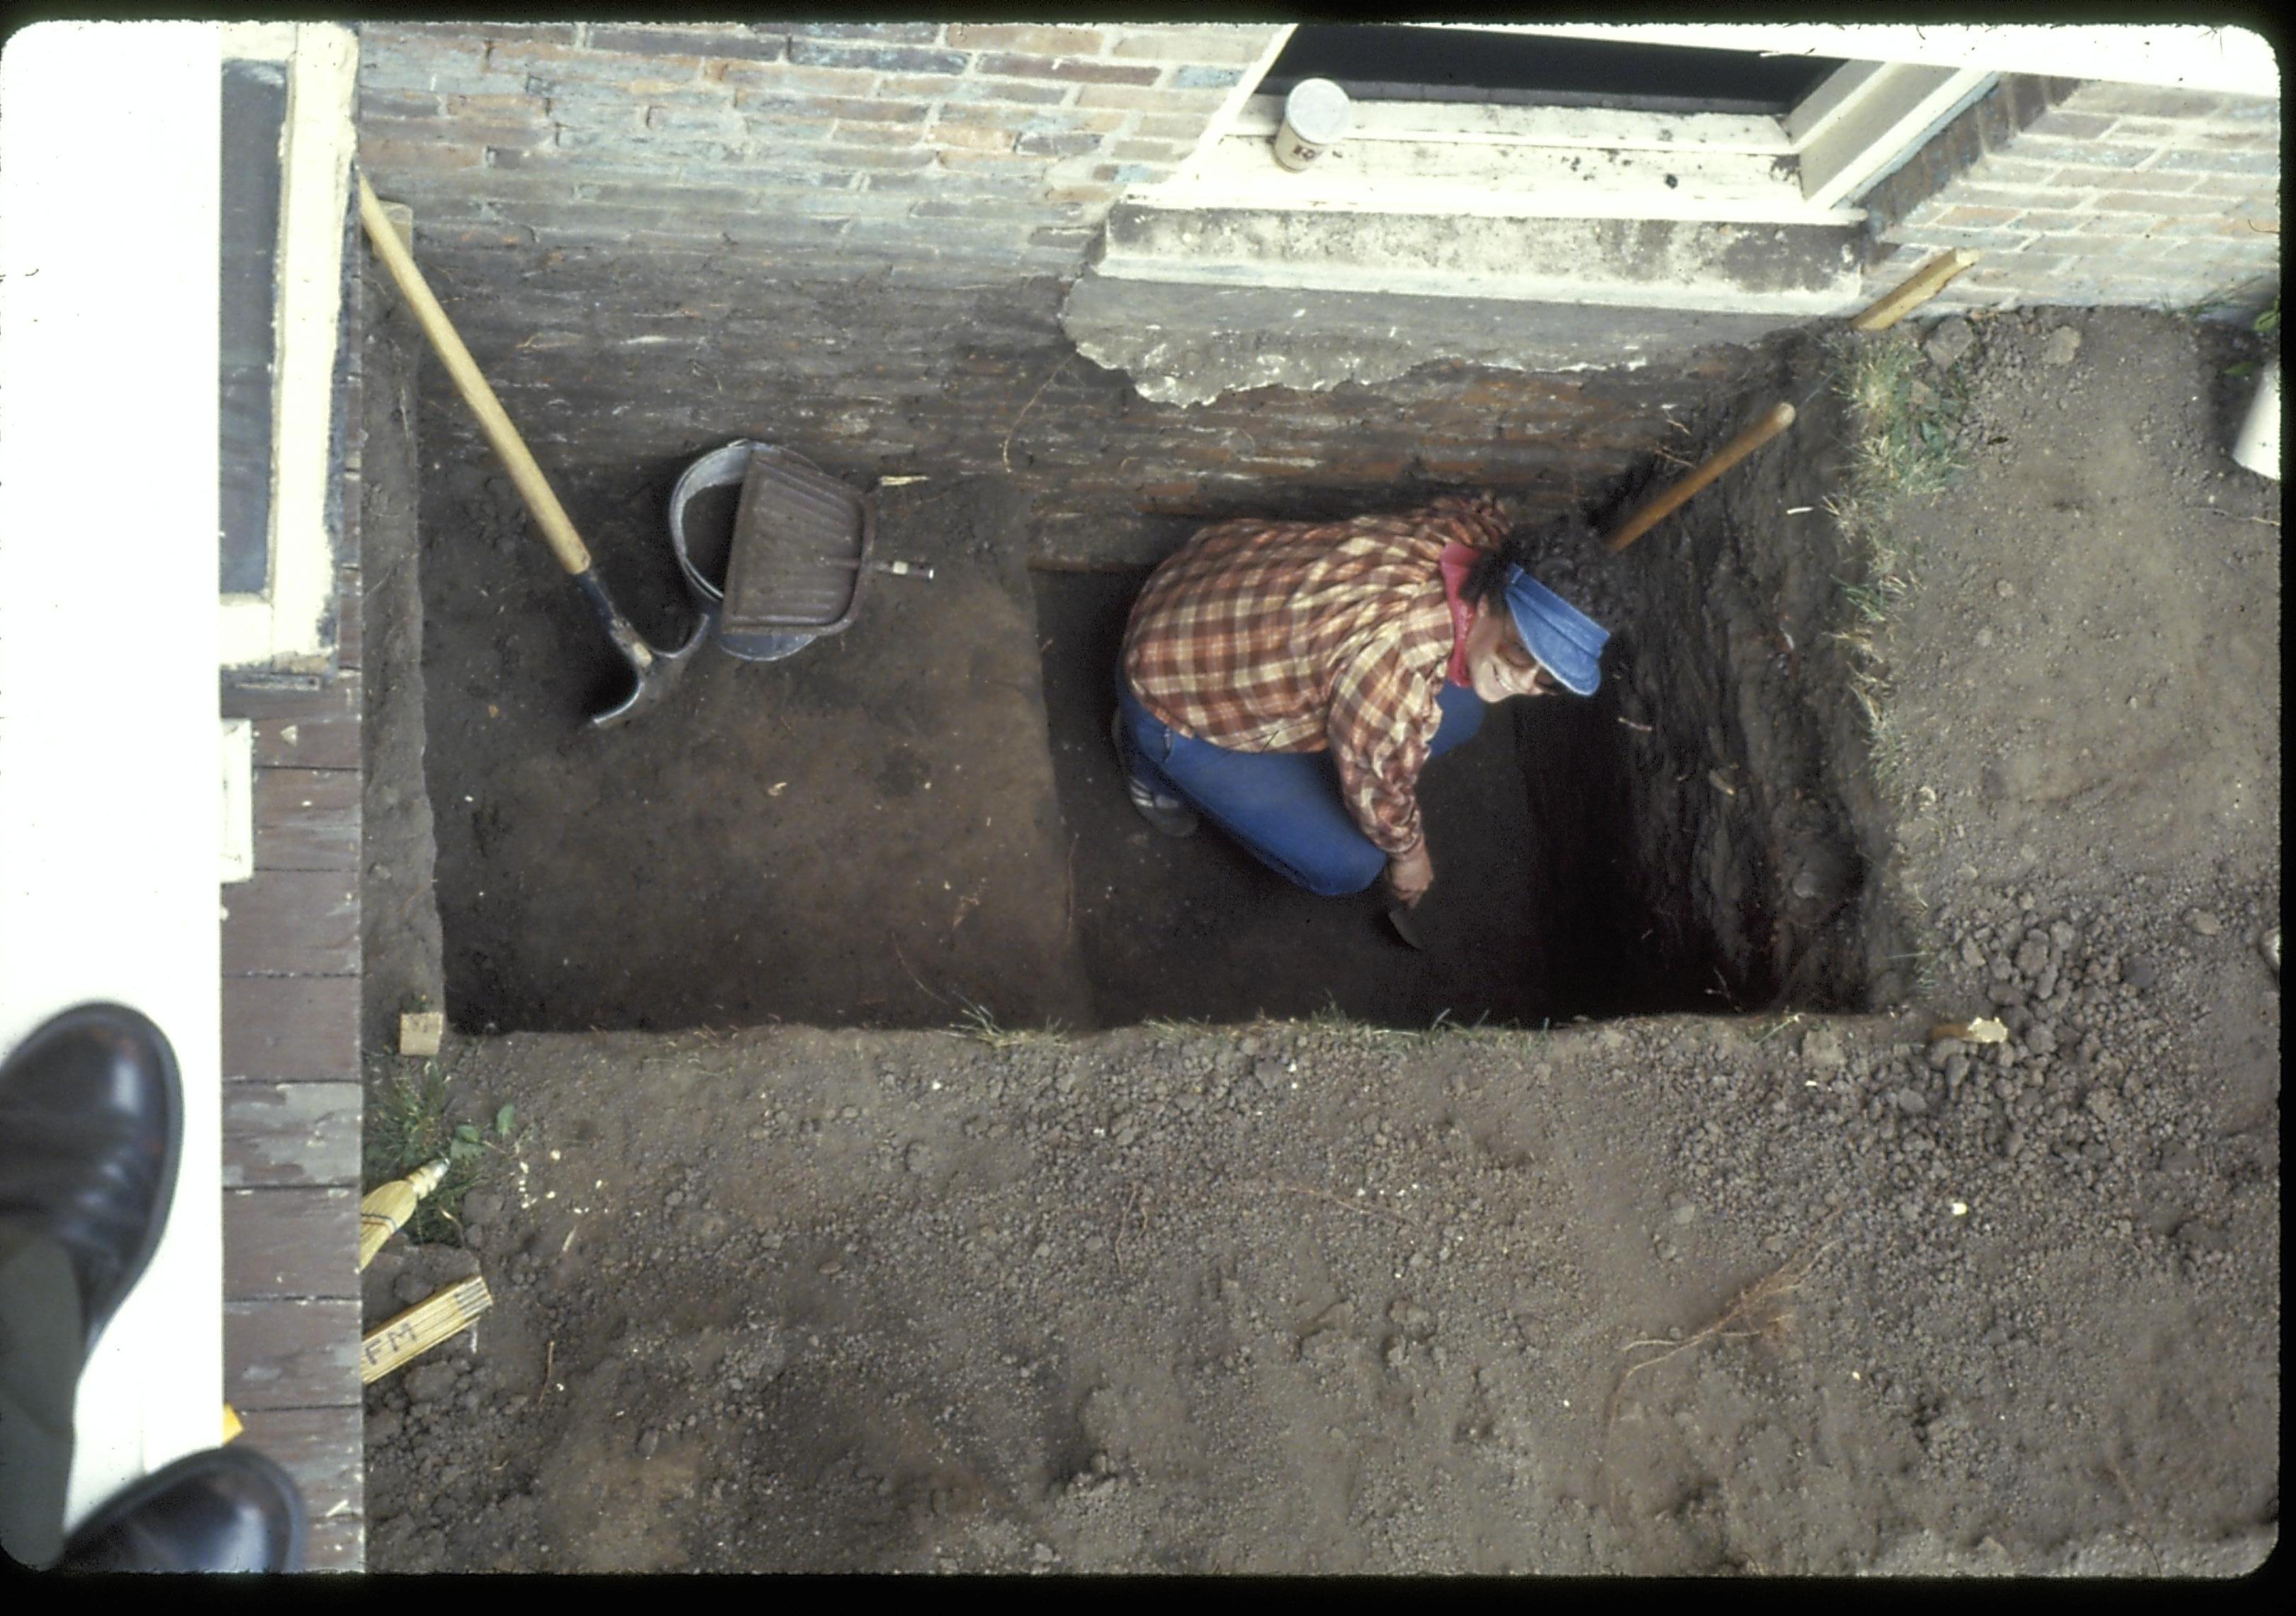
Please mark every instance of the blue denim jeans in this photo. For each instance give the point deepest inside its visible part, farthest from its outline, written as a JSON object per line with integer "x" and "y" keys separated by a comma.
{"x": 1283, "y": 807}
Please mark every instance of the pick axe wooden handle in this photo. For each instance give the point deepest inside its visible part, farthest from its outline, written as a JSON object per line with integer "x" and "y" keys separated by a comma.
{"x": 557, "y": 528}
{"x": 1780, "y": 417}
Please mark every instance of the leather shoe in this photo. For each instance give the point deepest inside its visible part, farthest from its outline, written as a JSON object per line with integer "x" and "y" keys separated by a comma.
{"x": 91, "y": 1127}
{"x": 228, "y": 1509}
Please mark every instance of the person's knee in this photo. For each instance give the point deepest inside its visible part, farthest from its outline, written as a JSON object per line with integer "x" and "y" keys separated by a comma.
{"x": 1340, "y": 872}
{"x": 1462, "y": 717}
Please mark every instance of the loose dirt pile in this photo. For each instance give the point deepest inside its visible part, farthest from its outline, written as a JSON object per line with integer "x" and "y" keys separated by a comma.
{"x": 1779, "y": 1292}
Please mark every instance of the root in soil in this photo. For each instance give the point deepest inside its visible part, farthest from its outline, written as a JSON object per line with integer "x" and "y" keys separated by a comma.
{"x": 1762, "y": 1311}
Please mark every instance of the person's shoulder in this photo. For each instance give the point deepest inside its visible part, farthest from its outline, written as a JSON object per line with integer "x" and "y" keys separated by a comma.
{"x": 1469, "y": 518}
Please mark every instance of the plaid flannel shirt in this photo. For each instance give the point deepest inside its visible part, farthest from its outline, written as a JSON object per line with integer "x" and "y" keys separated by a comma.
{"x": 1292, "y": 636}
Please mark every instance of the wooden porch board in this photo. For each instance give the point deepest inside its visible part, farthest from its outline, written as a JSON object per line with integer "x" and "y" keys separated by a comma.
{"x": 290, "y": 1134}
{"x": 336, "y": 1543}
{"x": 349, "y": 595}
{"x": 291, "y": 922}
{"x": 300, "y": 1353}
{"x": 311, "y": 1442}
{"x": 293, "y": 1100}
{"x": 290, "y": 1028}
{"x": 291, "y": 1241}
{"x": 314, "y": 725}
{"x": 307, "y": 819}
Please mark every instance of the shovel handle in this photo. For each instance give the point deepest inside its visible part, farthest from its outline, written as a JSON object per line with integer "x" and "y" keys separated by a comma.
{"x": 549, "y": 515}
{"x": 1780, "y": 417}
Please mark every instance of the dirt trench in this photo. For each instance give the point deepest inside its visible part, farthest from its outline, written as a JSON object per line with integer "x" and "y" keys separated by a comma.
{"x": 1782, "y": 1291}
{"x": 919, "y": 819}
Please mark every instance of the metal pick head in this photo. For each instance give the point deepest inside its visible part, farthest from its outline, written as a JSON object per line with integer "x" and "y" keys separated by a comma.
{"x": 1398, "y": 915}
{"x": 652, "y": 685}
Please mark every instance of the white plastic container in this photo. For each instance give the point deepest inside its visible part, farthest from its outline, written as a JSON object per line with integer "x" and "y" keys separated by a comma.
{"x": 2258, "y": 446}
{"x": 1315, "y": 117}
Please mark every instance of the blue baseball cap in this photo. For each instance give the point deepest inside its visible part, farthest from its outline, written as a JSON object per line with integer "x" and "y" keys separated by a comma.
{"x": 1564, "y": 639}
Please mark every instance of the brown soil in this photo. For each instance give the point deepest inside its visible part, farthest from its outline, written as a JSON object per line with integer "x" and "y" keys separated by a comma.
{"x": 920, "y": 817}
{"x": 1780, "y": 1292}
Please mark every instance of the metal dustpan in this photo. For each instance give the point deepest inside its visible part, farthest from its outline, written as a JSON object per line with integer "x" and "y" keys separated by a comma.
{"x": 801, "y": 541}
{"x": 799, "y": 544}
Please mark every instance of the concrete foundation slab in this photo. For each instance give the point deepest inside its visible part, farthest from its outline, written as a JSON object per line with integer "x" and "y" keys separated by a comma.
{"x": 1183, "y": 343}
{"x": 1656, "y": 262}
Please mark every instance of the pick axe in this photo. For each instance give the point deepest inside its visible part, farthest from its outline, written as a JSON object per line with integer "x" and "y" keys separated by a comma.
{"x": 1775, "y": 420}
{"x": 655, "y": 669}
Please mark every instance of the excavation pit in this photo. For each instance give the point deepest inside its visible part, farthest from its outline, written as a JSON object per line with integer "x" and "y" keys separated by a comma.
{"x": 919, "y": 821}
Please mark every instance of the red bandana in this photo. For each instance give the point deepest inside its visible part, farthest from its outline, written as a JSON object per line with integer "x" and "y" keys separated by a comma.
{"x": 1458, "y": 560}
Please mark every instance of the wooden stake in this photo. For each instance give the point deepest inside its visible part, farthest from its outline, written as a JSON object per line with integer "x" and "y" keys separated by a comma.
{"x": 1927, "y": 281}
{"x": 420, "y": 1032}
{"x": 421, "y": 1328}
{"x": 1779, "y": 417}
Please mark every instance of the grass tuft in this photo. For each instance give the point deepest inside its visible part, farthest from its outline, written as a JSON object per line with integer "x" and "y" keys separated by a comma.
{"x": 1329, "y": 1017}
{"x": 1166, "y": 1027}
{"x": 1446, "y": 1026}
{"x": 2265, "y": 324}
{"x": 981, "y": 1025}
{"x": 407, "y": 1125}
{"x": 1908, "y": 420}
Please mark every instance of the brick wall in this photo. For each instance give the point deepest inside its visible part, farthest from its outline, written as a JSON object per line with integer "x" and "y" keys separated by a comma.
{"x": 965, "y": 145}
{"x": 2091, "y": 193}
{"x": 617, "y": 374}
{"x": 852, "y": 240}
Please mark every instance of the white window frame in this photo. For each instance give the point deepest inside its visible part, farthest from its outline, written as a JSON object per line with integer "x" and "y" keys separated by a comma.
{"x": 289, "y": 624}
{"x": 2189, "y": 56}
{"x": 1804, "y": 167}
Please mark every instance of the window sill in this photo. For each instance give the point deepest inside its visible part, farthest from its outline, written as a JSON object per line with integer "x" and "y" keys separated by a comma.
{"x": 1512, "y": 162}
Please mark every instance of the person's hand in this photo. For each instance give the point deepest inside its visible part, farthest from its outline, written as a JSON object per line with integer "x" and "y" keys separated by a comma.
{"x": 1409, "y": 874}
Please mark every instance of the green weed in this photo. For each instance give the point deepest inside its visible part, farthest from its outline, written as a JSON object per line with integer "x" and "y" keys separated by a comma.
{"x": 2265, "y": 324}
{"x": 408, "y": 1125}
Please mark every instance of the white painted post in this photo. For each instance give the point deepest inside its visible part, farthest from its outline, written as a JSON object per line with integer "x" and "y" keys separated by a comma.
{"x": 110, "y": 793}
{"x": 2258, "y": 446}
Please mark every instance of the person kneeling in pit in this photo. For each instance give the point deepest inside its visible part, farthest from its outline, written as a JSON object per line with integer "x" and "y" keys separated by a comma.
{"x": 1289, "y": 681}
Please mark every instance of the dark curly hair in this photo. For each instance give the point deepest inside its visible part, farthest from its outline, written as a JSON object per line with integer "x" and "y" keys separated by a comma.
{"x": 1487, "y": 576}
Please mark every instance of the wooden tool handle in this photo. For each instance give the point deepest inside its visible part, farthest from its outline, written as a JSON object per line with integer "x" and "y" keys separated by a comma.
{"x": 549, "y": 515}
{"x": 1780, "y": 417}
{"x": 1925, "y": 283}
